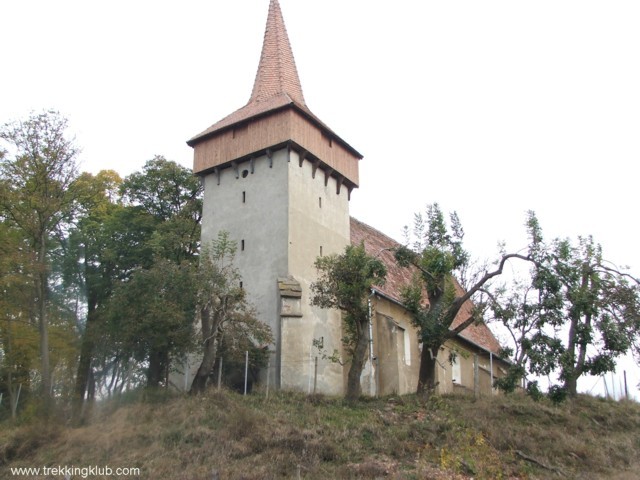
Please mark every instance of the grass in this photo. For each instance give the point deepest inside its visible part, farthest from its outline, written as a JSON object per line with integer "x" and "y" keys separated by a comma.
{"x": 291, "y": 435}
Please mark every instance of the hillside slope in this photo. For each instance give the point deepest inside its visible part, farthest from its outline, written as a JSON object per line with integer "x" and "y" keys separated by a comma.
{"x": 227, "y": 436}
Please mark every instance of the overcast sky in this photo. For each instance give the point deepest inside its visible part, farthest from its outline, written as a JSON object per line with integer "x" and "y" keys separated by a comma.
{"x": 490, "y": 108}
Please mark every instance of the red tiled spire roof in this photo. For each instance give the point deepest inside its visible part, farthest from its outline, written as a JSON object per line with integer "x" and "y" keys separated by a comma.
{"x": 277, "y": 74}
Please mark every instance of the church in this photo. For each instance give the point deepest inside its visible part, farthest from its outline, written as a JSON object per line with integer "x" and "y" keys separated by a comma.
{"x": 279, "y": 180}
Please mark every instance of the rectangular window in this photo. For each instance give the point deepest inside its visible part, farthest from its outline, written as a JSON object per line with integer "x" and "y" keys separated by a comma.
{"x": 244, "y": 197}
{"x": 455, "y": 370}
{"x": 320, "y": 202}
{"x": 242, "y": 245}
{"x": 403, "y": 345}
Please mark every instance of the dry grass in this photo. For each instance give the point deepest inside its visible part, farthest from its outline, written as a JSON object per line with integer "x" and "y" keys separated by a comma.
{"x": 295, "y": 436}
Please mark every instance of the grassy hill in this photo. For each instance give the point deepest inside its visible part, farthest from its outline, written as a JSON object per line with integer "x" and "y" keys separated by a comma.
{"x": 224, "y": 435}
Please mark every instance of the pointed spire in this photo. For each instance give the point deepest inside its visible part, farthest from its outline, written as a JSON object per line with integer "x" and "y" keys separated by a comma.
{"x": 277, "y": 73}
{"x": 276, "y": 87}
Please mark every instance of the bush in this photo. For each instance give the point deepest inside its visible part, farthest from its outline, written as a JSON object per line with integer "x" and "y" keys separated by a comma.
{"x": 557, "y": 394}
{"x": 533, "y": 390}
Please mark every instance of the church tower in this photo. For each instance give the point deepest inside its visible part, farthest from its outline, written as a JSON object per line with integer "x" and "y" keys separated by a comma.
{"x": 279, "y": 181}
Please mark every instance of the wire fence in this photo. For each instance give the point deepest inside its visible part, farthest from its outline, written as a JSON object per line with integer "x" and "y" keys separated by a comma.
{"x": 309, "y": 368}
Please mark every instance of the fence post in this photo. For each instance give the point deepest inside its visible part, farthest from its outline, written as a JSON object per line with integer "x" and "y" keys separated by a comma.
{"x": 246, "y": 370}
{"x": 613, "y": 386}
{"x": 315, "y": 374}
{"x": 186, "y": 374}
{"x": 219, "y": 373}
{"x": 377, "y": 360}
{"x": 476, "y": 379}
{"x": 491, "y": 371}
{"x": 14, "y": 407}
{"x": 268, "y": 374}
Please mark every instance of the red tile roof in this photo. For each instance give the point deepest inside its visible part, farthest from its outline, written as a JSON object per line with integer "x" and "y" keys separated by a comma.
{"x": 378, "y": 244}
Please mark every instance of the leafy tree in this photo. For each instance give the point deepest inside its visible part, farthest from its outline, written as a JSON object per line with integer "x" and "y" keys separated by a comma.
{"x": 151, "y": 216}
{"x": 345, "y": 282}
{"x": 227, "y": 321}
{"x": 149, "y": 318}
{"x": 530, "y": 317}
{"x": 577, "y": 314}
{"x": 38, "y": 196}
{"x": 173, "y": 196}
{"x": 18, "y": 337}
{"x": 100, "y": 249}
{"x": 601, "y": 304}
{"x": 435, "y": 297}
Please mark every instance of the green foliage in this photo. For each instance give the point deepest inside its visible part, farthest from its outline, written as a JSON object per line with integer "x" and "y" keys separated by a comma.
{"x": 132, "y": 234}
{"x": 438, "y": 255}
{"x": 345, "y": 282}
{"x": 557, "y": 394}
{"x": 37, "y": 185}
{"x": 533, "y": 390}
{"x": 509, "y": 382}
{"x": 39, "y": 197}
{"x": 228, "y": 323}
{"x": 150, "y": 317}
{"x": 173, "y": 196}
{"x": 575, "y": 316}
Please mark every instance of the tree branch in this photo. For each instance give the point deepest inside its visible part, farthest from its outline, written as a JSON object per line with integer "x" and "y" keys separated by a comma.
{"x": 455, "y": 307}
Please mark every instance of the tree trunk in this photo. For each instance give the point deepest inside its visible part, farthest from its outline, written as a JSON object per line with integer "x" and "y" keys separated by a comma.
{"x": 210, "y": 347}
{"x": 155, "y": 372}
{"x": 43, "y": 322}
{"x": 84, "y": 363}
{"x": 357, "y": 362}
{"x": 568, "y": 370}
{"x": 571, "y": 385}
{"x": 206, "y": 366}
{"x": 427, "y": 376}
{"x": 12, "y": 394}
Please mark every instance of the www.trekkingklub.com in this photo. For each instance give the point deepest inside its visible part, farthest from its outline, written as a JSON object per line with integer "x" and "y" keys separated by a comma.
{"x": 72, "y": 471}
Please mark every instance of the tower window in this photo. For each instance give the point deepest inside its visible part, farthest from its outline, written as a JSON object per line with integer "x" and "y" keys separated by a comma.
{"x": 244, "y": 197}
{"x": 245, "y": 173}
{"x": 320, "y": 250}
{"x": 320, "y": 202}
{"x": 242, "y": 245}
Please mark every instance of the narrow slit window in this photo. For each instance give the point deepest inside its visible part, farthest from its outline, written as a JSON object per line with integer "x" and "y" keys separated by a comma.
{"x": 320, "y": 250}
{"x": 244, "y": 197}
{"x": 320, "y": 202}
{"x": 242, "y": 245}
